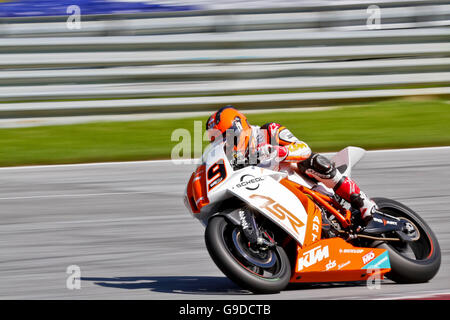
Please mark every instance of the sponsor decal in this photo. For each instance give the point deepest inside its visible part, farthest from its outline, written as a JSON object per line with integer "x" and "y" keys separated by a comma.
{"x": 351, "y": 250}
{"x": 287, "y": 136}
{"x": 312, "y": 256}
{"x": 244, "y": 222}
{"x": 390, "y": 222}
{"x": 384, "y": 221}
{"x": 215, "y": 182}
{"x": 315, "y": 229}
{"x": 342, "y": 265}
{"x": 296, "y": 146}
{"x": 278, "y": 211}
{"x": 249, "y": 182}
{"x": 330, "y": 265}
{"x": 368, "y": 257}
{"x": 381, "y": 262}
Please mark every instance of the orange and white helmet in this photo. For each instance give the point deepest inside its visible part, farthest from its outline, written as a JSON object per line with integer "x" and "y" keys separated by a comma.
{"x": 228, "y": 123}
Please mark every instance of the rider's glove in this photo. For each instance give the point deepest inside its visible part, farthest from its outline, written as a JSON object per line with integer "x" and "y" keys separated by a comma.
{"x": 268, "y": 152}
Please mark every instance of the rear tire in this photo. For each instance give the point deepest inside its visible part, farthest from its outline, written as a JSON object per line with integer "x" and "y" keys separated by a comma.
{"x": 219, "y": 242}
{"x": 423, "y": 263}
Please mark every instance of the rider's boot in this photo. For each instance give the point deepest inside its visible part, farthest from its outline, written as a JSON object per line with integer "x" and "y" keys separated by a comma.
{"x": 347, "y": 189}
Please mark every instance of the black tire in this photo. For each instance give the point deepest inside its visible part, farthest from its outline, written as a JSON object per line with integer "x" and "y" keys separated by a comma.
{"x": 426, "y": 251}
{"x": 222, "y": 250}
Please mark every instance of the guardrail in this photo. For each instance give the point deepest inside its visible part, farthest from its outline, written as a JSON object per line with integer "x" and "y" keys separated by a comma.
{"x": 165, "y": 105}
{"x": 265, "y": 68}
{"x": 208, "y": 72}
{"x": 229, "y": 87}
{"x": 234, "y": 40}
{"x": 137, "y": 58}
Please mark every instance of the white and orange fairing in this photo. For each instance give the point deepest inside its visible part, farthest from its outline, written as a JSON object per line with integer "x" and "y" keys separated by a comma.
{"x": 288, "y": 201}
{"x": 333, "y": 259}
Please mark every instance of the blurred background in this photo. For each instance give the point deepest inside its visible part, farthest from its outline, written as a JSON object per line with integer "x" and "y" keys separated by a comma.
{"x": 110, "y": 80}
{"x": 80, "y": 61}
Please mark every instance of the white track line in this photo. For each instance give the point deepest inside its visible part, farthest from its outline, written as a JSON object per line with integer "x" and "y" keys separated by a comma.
{"x": 417, "y": 295}
{"x": 75, "y": 195}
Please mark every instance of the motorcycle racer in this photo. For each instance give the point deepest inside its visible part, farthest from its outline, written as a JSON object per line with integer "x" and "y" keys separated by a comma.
{"x": 273, "y": 143}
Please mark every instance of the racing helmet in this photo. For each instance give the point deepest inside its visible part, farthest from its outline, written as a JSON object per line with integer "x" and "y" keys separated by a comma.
{"x": 230, "y": 125}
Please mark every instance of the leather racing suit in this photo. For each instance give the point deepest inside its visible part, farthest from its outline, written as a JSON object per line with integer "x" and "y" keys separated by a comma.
{"x": 276, "y": 142}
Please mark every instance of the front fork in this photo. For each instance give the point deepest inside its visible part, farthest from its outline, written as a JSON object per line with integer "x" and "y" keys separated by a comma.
{"x": 251, "y": 231}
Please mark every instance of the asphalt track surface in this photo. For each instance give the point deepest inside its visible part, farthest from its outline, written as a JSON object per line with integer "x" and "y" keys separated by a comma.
{"x": 126, "y": 227}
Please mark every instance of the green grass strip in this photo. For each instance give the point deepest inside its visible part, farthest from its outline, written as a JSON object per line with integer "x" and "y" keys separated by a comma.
{"x": 387, "y": 124}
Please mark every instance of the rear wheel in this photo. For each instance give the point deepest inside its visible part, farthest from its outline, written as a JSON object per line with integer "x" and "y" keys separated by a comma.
{"x": 260, "y": 270}
{"x": 413, "y": 261}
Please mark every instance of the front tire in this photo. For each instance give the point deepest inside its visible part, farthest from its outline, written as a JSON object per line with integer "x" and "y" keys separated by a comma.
{"x": 268, "y": 272}
{"x": 411, "y": 262}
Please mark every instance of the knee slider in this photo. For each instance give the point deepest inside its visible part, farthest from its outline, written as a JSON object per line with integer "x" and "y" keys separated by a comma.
{"x": 319, "y": 166}
{"x": 323, "y": 165}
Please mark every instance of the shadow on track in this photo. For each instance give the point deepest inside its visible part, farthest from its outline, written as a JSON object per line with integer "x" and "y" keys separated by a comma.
{"x": 199, "y": 285}
{"x": 173, "y": 284}
{"x": 324, "y": 285}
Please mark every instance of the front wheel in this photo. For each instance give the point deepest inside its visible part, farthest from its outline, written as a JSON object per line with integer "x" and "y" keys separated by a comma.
{"x": 264, "y": 270}
{"x": 415, "y": 261}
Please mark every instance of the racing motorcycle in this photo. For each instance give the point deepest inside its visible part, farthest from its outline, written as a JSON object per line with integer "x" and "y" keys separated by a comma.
{"x": 267, "y": 228}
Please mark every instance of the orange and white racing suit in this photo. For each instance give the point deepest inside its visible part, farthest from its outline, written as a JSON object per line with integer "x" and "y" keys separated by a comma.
{"x": 275, "y": 141}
